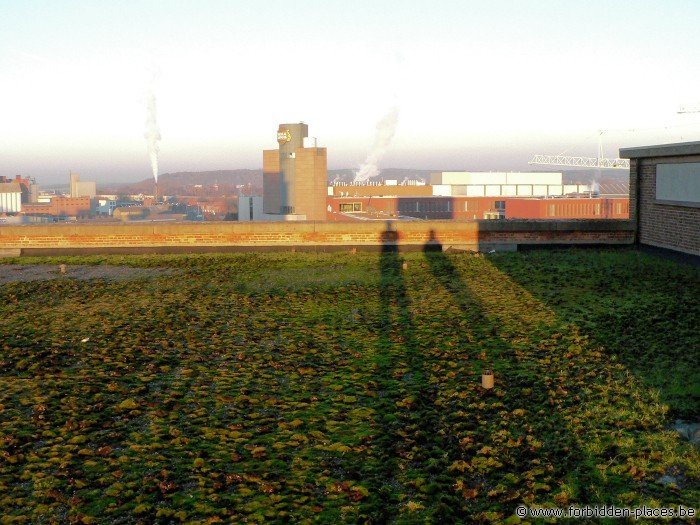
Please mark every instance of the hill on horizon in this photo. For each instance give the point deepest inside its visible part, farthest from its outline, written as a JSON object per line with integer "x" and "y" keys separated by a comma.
{"x": 182, "y": 182}
{"x": 225, "y": 181}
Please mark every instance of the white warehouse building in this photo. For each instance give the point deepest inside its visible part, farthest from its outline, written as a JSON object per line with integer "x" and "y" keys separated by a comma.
{"x": 10, "y": 197}
{"x": 502, "y": 184}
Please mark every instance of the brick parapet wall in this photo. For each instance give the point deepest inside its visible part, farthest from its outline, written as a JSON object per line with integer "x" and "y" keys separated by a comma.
{"x": 287, "y": 235}
{"x": 663, "y": 225}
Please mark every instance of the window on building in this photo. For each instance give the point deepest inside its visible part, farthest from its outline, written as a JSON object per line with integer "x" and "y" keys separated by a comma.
{"x": 351, "y": 206}
{"x": 678, "y": 184}
{"x": 500, "y": 205}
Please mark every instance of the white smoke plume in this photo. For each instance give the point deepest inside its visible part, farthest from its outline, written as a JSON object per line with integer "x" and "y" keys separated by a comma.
{"x": 152, "y": 132}
{"x": 386, "y": 128}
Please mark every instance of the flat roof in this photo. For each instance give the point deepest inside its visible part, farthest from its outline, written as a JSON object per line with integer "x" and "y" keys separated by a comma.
{"x": 10, "y": 187}
{"x": 661, "y": 150}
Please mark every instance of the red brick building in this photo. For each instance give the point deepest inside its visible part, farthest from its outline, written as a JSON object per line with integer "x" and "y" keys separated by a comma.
{"x": 61, "y": 206}
{"x": 466, "y": 208}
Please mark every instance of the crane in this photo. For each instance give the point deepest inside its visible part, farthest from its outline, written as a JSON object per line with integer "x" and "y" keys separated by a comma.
{"x": 583, "y": 162}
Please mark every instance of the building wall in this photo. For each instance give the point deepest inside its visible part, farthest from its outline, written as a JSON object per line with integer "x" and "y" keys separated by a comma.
{"x": 663, "y": 225}
{"x": 461, "y": 190}
{"x": 86, "y": 189}
{"x": 68, "y": 206}
{"x": 295, "y": 139}
{"x": 606, "y": 208}
{"x": 105, "y": 206}
{"x": 372, "y": 191}
{"x": 495, "y": 177}
{"x": 81, "y": 189}
{"x": 271, "y": 192}
{"x": 311, "y": 183}
{"x": 271, "y": 180}
{"x": 250, "y": 208}
{"x": 295, "y": 178}
{"x": 158, "y": 236}
{"x": 509, "y": 190}
{"x": 11, "y": 202}
{"x": 476, "y": 208}
{"x": 130, "y": 213}
{"x": 271, "y": 161}
{"x": 634, "y": 165}
{"x": 37, "y": 209}
{"x": 73, "y": 179}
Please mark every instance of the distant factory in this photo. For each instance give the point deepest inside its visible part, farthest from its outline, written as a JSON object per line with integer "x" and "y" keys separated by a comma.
{"x": 20, "y": 198}
{"x": 295, "y": 188}
{"x": 469, "y": 195}
{"x": 16, "y": 192}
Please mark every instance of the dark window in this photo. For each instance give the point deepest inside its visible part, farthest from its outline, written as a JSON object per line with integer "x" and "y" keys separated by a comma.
{"x": 500, "y": 205}
{"x": 351, "y": 206}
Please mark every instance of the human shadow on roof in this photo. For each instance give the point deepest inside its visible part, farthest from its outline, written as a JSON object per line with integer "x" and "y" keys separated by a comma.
{"x": 408, "y": 445}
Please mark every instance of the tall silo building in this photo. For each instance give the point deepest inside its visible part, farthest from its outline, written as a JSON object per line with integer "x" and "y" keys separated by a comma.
{"x": 295, "y": 178}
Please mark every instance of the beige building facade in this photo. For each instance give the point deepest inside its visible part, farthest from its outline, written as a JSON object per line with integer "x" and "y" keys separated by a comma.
{"x": 295, "y": 178}
{"x": 80, "y": 188}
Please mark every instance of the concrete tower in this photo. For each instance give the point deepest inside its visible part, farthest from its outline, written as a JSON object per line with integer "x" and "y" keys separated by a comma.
{"x": 295, "y": 177}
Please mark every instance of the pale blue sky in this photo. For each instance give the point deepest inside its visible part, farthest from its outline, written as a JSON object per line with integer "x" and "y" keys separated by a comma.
{"x": 480, "y": 85}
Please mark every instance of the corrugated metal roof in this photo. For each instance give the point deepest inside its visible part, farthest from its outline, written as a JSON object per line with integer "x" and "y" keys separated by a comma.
{"x": 10, "y": 187}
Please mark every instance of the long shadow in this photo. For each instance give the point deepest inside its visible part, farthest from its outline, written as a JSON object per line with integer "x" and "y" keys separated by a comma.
{"x": 408, "y": 445}
{"x": 515, "y": 374}
{"x": 641, "y": 310}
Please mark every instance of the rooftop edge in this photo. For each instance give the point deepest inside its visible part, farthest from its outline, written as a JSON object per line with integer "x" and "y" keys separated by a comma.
{"x": 661, "y": 150}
